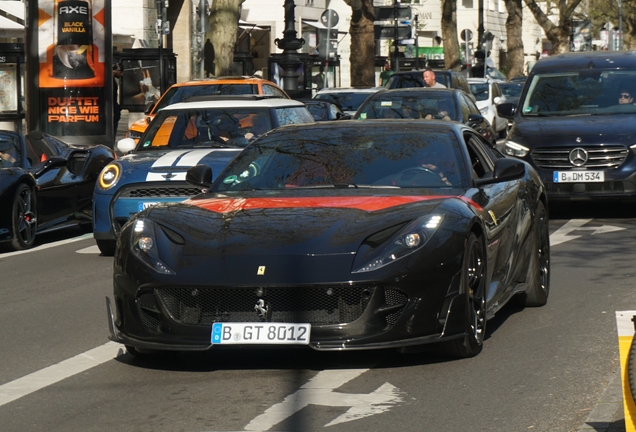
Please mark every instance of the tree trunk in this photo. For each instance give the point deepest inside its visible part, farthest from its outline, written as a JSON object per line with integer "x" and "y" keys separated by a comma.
{"x": 223, "y": 31}
{"x": 514, "y": 43}
{"x": 362, "y": 57}
{"x": 559, "y": 34}
{"x": 452, "y": 59}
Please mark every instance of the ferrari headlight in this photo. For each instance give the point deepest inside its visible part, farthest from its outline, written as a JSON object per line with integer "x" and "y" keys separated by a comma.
{"x": 144, "y": 247}
{"x": 511, "y": 148}
{"x": 109, "y": 176}
{"x": 406, "y": 241}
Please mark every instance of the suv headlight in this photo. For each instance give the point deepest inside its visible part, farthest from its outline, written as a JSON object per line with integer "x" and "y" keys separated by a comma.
{"x": 511, "y": 148}
{"x": 109, "y": 176}
{"x": 406, "y": 241}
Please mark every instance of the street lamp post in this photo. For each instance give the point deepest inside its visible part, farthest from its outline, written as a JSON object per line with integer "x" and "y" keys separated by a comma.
{"x": 620, "y": 25}
{"x": 290, "y": 45}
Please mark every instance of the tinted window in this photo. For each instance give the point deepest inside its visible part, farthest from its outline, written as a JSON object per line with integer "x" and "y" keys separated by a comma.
{"x": 10, "y": 154}
{"x": 347, "y": 101}
{"x": 480, "y": 90}
{"x": 581, "y": 92}
{"x": 179, "y": 94}
{"x": 407, "y": 106}
{"x": 205, "y": 128}
{"x": 271, "y": 90}
{"x": 297, "y": 115}
{"x": 312, "y": 158}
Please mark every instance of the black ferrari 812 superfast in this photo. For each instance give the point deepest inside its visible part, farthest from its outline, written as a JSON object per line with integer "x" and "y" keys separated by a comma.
{"x": 340, "y": 236}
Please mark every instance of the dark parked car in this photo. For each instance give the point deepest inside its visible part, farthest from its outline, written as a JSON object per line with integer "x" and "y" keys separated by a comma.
{"x": 45, "y": 184}
{"x": 573, "y": 126}
{"x": 323, "y": 110}
{"x": 337, "y": 236}
{"x": 415, "y": 78}
{"x": 427, "y": 103}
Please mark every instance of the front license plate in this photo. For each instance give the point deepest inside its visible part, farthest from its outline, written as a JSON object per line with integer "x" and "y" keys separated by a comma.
{"x": 578, "y": 176}
{"x": 260, "y": 333}
{"x": 145, "y": 205}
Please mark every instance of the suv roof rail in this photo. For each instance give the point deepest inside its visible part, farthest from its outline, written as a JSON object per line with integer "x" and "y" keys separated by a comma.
{"x": 229, "y": 97}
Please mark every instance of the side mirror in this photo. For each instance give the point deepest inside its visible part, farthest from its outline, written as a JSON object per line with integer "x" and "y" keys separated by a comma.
{"x": 53, "y": 162}
{"x": 507, "y": 110}
{"x": 199, "y": 175}
{"x": 475, "y": 118}
{"x": 126, "y": 145}
{"x": 149, "y": 106}
{"x": 505, "y": 170}
{"x": 343, "y": 116}
{"x": 496, "y": 100}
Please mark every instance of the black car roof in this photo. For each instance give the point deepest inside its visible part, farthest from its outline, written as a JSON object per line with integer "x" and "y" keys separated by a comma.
{"x": 586, "y": 60}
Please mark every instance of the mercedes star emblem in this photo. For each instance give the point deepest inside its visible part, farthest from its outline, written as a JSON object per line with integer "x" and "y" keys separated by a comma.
{"x": 578, "y": 157}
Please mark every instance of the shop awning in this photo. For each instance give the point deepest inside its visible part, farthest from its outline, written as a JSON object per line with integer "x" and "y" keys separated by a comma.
{"x": 249, "y": 26}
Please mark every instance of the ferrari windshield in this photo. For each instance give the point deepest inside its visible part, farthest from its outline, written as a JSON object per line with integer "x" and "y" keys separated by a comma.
{"x": 347, "y": 158}
{"x": 585, "y": 92}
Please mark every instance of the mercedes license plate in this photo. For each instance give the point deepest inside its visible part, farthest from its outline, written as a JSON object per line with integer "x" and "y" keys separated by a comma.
{"x": 260, "y": 333}
{"x": 578, "y": 176}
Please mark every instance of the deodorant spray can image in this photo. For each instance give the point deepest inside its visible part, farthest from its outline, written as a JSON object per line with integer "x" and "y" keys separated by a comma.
{"x": 73, "y": 48}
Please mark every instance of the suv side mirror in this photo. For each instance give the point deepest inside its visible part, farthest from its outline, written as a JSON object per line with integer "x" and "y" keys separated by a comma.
{"x": 507, "y": 110}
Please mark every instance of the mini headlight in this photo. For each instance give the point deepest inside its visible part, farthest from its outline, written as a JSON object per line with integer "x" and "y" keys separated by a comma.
{"x": 511, "y": 148}
{"x": 109, "y": 176}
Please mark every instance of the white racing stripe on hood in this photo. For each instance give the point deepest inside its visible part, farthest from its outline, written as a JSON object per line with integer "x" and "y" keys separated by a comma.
{"x": 180, "y": 176}
{"x": 195, "y": 156}
{"x": 179, "y": 158}
{"x": 168, "y": 159}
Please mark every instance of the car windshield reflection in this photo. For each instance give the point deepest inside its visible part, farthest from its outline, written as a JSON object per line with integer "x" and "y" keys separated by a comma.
{"x": 586, "y": 92}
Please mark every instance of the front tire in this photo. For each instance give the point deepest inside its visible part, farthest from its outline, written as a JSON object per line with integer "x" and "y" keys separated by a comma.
{"x": 539, "y": 279}
{"x": 106, "y": 247}
{"x": 473, "y": 288}
{"x": 23, "y": 219}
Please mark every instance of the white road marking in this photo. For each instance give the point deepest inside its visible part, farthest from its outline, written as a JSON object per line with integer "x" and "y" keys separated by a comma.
{"x": 45, "y": 377}
{"x": 47, "y": 246}
{"x": 320, "y": 391}
{"x": 561, "y": 235}
{"x": 89, "y": 250}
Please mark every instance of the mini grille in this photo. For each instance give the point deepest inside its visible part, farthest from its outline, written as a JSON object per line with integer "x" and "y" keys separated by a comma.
{"x": 322, "y": 305}
{"x": 161, "y": 190}
{"x": 598, "y": 157}
{"x": 394, "y": 297}
{"x": 590, "y": 188}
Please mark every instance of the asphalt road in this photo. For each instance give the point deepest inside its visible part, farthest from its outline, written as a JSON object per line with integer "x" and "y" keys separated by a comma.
{"x": 542, "y": 369}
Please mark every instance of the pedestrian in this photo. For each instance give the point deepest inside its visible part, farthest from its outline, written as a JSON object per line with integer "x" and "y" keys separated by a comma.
{"x": 429, "y": 79}
{"x": 117, "y": 74}
{"x": 385, "y": 74}
{"x": 319, "y": 78}
{"x": 208, "y": 58}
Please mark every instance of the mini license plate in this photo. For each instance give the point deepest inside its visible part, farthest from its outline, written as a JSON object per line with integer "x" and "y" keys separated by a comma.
{"x": 260, "y": 333}
{"x": 145, "y": 205}
{"x": 578, "y": 176}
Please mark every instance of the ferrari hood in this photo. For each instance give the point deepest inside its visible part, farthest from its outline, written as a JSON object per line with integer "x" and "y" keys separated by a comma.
{"x": 301, "y": 236}
{"x": 163, "y": 165}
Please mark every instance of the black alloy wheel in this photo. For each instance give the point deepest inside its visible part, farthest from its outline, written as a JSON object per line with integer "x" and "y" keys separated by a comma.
{"x": 539, "y": 279}
{"x": 23, "y": 219}
{"x": 473, "y": 287}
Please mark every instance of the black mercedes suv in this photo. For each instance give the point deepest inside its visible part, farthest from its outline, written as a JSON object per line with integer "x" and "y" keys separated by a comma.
{"x": 575, "y": 122}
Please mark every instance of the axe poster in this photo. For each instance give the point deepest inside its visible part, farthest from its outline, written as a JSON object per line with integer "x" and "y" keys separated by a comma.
{"x": 69, "y": 54}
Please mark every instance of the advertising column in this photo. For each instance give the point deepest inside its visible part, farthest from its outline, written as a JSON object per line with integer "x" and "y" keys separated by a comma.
{"x": 69, "y": 56}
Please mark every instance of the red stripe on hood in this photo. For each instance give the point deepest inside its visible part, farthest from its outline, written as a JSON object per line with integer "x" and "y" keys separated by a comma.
{"x": 367, "y": 203}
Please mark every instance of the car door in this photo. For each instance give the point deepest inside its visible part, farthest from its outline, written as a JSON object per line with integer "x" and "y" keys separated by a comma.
{"x": 506, "y": 213}
{"x": 59, "y": 188}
